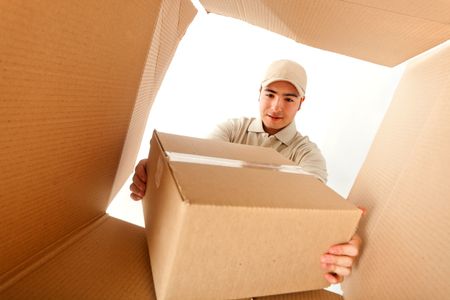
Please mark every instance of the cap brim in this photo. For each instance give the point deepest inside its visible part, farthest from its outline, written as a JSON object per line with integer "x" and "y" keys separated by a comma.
{"x": 299, "y": 89}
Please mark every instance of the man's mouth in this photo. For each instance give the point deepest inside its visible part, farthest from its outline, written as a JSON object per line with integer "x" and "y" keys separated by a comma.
{"x": 274, "y": 117}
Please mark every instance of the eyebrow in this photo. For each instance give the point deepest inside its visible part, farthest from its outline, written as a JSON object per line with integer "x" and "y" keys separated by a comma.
{"x": 287, "y": 94}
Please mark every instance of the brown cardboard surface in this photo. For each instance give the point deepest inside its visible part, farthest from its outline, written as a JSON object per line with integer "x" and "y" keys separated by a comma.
{"x": 165, "y": 218}
{"x": 404, "y": 183}
{"x": 439, "y": 11}
{"x": 69, "y": 82}
{"x": 309, "y": 192}
{"x": 109, "y": 261}
{"x": 396, "y": 138}
{"x": 381, "y": 32}
{"x": 217, "y": 232}
{"x": 70, "y": 73}
{"x": 173, "y": 20}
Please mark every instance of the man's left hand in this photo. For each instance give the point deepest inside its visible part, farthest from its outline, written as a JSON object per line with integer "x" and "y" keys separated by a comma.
{"x": 339, "y": 259}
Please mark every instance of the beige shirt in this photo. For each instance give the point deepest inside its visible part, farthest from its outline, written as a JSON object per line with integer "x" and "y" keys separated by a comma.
{"x": 288, "y": 141}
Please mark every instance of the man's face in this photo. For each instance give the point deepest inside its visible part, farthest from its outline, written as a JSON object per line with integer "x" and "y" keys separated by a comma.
{"x": 278, "y": 105}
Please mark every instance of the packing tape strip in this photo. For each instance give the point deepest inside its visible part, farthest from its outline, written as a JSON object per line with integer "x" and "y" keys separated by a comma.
{"x": 159, "y": 171}
{"x": 233, "y": 163}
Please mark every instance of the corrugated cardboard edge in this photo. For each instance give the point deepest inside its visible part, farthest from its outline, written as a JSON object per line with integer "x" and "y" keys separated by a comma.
{"x": 173, "y": 230}
{"x": 311, "y": 295}
{"x": 166, "y": 161}
{"x": 173, "y": 20}
{"x": 46, "y": 254}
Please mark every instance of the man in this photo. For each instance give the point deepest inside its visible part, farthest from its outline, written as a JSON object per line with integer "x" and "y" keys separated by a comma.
{"x": 281, "y": 96}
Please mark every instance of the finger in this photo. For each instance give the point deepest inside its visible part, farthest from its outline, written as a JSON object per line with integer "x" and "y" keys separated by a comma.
{"x": 341, "y": 260}
{"x": 141, "y": 170}
{"x": 343, "y": 271}
{"x": 138, "y": 182}
{"x": 333, "y": 278}
{"x": 135, "y": 190}
{"x": 344, "y": 249}
{"x": 350, "y": 249}
{"x": 135, "y": 197}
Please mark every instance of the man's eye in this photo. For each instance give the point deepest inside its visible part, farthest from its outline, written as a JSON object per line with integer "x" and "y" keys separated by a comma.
{"x": 290, "y": 100}
{"x": 269, "y": 95}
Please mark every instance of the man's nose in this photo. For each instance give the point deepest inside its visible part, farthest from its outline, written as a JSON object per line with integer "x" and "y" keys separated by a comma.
{"x": 276, "y": 104}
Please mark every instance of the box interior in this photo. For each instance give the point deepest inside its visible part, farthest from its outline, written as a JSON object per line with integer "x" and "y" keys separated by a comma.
{"x": 78, "y": 81}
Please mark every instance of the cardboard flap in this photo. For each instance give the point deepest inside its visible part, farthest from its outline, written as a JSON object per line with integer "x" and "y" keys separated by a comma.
{"x": 109, "y": 262}
{"x": 70, "y": 73}
{"x": 173, "y": 20}
{"x": 381, "y": 32}
{"x": 404, "y": 183}
{"x": 69, "y": 78}
{"x": 239, "y": 187}
{"x": 213, "y": 148}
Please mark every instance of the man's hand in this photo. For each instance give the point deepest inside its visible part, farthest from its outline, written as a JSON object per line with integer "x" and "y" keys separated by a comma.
{"x": 339, "y": 259}
{"x": 139, "y": 184}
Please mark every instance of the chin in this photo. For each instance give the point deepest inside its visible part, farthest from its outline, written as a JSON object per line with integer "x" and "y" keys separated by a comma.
{"x": 275, "y": 125}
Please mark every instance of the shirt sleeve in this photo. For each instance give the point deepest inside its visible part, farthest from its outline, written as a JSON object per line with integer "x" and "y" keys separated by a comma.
{"x": 222, "y": 132}
{"x": 313, "y": 162}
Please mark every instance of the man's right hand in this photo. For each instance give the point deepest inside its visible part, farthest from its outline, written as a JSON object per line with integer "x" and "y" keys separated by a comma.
{"x": 139, "y": 184}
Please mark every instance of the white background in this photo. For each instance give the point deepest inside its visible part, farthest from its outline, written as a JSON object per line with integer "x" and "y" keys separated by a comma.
{"x": 215, "y": 75}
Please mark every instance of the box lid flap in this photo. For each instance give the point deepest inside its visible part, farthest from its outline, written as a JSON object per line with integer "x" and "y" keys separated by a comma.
{"x": 110, "y": 261}
{"x": 405, "y": 190}
{"x": 381, "y": 32}
{"x": 254, "y": 187}
{"x": 69, "y": 80}
{"x": 220, "y": 149}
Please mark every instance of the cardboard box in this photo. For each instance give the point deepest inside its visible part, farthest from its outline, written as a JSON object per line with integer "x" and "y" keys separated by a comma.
{"x": 77, "y": 82}
{"x": 228, "y": 221}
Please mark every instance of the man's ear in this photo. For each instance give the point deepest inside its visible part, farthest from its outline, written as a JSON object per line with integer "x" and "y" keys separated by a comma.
{"x": 301, "y": 101}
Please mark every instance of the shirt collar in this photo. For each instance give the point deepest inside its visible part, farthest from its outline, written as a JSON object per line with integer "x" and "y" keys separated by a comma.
{"x": 285, "y": 135}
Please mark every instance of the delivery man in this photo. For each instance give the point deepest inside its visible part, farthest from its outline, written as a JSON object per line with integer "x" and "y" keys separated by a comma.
{"x": 282, "y": 93}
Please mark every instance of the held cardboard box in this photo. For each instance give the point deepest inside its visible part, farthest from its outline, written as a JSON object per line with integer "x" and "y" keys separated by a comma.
{"x": 77, "y": 79}
{"x": 227, "y": 221}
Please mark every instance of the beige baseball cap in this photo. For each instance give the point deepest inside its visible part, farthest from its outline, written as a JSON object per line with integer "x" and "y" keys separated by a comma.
{"x": 286, "y": 70}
